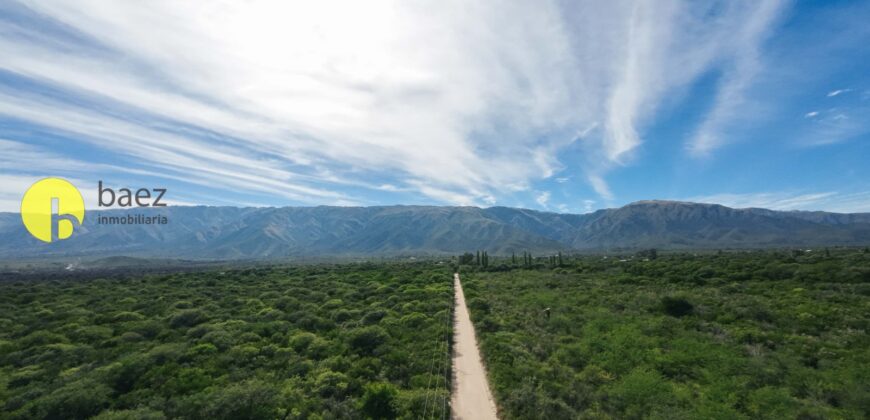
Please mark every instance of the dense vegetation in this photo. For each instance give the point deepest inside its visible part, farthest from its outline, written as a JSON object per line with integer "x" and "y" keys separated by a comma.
{"x": 734, "y": 335}
{"x": 351, "y": 341}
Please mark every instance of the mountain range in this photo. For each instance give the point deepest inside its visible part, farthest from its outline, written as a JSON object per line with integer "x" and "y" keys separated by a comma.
{"x": 199, "y": 232}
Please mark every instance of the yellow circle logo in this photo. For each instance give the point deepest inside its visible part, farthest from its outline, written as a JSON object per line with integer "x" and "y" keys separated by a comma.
{"x": 38, "y": 208}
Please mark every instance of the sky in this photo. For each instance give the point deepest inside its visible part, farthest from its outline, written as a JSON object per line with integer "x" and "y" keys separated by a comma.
{"x": 563, "y": 106}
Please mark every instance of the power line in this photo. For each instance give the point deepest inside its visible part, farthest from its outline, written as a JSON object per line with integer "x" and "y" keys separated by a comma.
{"x": 445, "y": 352}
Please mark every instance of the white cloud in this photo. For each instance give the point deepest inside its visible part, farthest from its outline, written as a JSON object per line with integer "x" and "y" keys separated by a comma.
{"x": 562, "y": 180}
{"x": 461, "y": 102}
{"x": 835, "y": 126}
{"x": 588, "y": 206}
{"x": 838, "y": 92}
{"x": 811, "y": 114}
{"x": 827, "y": 201}
{"x": 389, "y": 187}
{"x": 173, "y": 156}
{"x": 728, "y": 107}
{"x": 600, "y": 187}
{"x": 12, "y": 188}
{"x": 31, "y": 163}
{"x": 543, "y": 198}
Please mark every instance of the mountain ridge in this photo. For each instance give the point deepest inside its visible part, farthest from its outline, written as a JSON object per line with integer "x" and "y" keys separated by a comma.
{"x": 226, "y": 232}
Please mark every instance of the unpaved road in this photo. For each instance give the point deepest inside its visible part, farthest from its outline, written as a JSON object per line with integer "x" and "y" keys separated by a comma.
{"x": 471, "y": 399}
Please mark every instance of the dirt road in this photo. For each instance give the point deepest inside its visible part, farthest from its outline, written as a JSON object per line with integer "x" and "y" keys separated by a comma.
{"x": 471, "y": 399}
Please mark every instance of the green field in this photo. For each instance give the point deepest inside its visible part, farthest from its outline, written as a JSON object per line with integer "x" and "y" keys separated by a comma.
{"x": 347, "y": 341}
{"x": 735, "y": 335}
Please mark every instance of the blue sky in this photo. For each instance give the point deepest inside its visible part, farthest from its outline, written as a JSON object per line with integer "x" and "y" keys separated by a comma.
{"x": 558, "y": 106}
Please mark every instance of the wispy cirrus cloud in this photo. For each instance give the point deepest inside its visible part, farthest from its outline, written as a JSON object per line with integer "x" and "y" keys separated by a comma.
{"x": 731, "y": 97}
{"x": 31, "y": 163}
{"x": 835, "y": 125}
{"x": 828, "y": 200}
{"x": 600, "y": 187}
{"x": 543, "y": 198}
{"x": 454, "y": 102}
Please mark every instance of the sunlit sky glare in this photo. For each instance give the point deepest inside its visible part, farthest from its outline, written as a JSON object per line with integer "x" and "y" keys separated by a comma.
{"x": 558, "y": 106}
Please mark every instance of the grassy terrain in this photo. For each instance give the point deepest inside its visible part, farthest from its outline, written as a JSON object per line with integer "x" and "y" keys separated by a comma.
{"x": 738, "y": 335}
{"x": 348, "y": 341}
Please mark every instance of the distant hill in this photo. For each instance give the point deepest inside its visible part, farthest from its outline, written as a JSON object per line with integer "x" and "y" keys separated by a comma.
{"x": 243, "y": 233}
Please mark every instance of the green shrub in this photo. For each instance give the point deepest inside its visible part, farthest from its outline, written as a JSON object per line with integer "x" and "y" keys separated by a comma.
{"x": 676, "y": 306}
{"x": 251, "y": 399}
{"x": 187, "y": 318}
{"x": 81, "y": 399}
{"x": 367, "y": 339}
{"x": 379, "y": 401}
{"x": 135, "y": 414}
